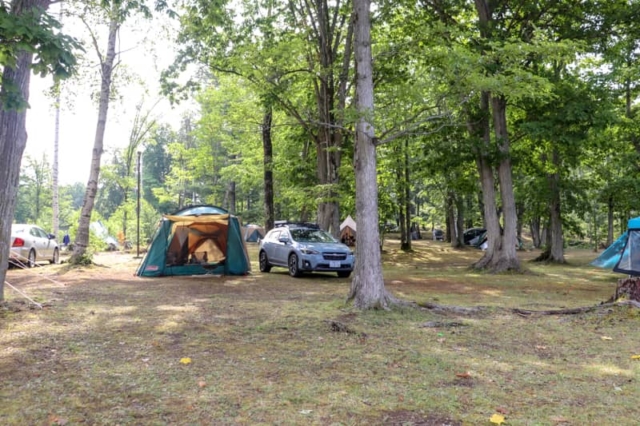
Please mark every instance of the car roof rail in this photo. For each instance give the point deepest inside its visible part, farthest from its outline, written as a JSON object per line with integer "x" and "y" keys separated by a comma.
{"x": 283, "y": 223}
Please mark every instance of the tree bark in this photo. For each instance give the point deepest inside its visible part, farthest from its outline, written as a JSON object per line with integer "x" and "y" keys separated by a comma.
{"x": 534, "y": 226}
{"x": 367, "y": 287}
{"x": 610, "y": 207}
{"x": 459, "y": 235}
{"x": 556, "y": 248}
{"x": 13, "y": 140}
{"x": 267, "y": 148}
{"x": 407, "y": 195}
{"x": 479, "y": 127}
{"x": 106, "y": 67}
{"x": 506, "y": 258}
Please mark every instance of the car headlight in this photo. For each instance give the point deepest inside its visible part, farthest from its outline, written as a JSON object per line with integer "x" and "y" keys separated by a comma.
{"x": 306, "y": 250}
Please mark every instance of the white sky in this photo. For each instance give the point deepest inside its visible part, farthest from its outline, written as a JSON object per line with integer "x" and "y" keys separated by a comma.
{"x": 78, "y": 117}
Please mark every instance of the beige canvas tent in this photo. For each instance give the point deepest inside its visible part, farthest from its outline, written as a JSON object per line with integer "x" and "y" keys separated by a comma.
{"x": 348, "y": 231}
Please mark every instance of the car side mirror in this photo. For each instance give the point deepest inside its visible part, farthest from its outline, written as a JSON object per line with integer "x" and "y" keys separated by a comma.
{"x": 52, "y": 237}
{"x": 284, "y": 239}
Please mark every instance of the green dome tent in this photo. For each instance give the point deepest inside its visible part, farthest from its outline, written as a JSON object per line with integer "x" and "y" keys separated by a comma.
{"x": 196, "y": 240}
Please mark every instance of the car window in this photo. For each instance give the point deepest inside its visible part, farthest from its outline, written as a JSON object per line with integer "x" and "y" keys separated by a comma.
{"x": 42, "y": 234}
{"x": 311, "y": 236}
{"x": 34, "y": 232}
{"x": 273, "y": 235}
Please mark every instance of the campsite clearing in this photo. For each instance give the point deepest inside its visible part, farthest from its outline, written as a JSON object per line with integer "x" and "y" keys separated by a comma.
{"x": 112, "y": 348}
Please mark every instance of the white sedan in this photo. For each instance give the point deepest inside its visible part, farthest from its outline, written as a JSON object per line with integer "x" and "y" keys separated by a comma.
{"x": 31, "y": 244}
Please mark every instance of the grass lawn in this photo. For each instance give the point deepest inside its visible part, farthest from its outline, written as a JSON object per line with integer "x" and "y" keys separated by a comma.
{"x": 113, "y": 349}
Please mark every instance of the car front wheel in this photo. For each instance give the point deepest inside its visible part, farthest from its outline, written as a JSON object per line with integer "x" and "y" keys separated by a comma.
{"x": 31, "y": 260}
{"x": 264, "y": 262}
{"x": 294, "y": 271}
{"x": 56, "y": 257}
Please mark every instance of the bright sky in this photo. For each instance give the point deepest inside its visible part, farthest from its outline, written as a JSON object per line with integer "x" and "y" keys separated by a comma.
{"x": 78, "y": 118}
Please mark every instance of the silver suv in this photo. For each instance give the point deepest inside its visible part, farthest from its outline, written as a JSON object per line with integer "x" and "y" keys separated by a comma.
{"x": 304, "y": 247}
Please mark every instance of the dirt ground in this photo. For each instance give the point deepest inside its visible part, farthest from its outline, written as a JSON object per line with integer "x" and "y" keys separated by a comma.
{"x": 112, "y": 348}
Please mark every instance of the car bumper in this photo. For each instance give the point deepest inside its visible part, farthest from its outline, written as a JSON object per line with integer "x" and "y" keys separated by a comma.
{"x": 19, "y": 254}
{"x": 310, "y": 263}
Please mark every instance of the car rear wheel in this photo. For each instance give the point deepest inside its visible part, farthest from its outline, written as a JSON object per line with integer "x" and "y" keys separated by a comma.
{"x": 56, "y": 257}
{"x": 344, "y": 274}
{"x": 31, "y": 260}
{"x": 264, "y": 262}
{"x": 294, "y": 271}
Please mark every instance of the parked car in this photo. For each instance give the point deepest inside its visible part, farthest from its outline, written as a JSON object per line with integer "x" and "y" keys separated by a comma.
{"x": 304, "y": 247}
{"x": 31, "y": 244}
{"x": 438, "y": 235}
{"x": 472, "y": 233}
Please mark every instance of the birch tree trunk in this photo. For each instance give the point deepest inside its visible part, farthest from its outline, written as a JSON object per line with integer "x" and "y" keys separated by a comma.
{"x": 13, "y": 140}
{"x": 367, "y": 288}
{"x": 106, "y": 68}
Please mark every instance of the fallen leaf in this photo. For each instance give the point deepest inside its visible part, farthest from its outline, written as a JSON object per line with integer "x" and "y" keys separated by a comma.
{"x": 58, "y": 421}
{"x": 185, "y": 361}
{"x": 606, "y": 338}
{"x": 502, "y": 410}
{"x": 464, "y": 375}
{"x": 559, "y": 419}
{"x": 635, "y": 356}
{"x": 202, "y": 383}
{"x": 497, "y": 419}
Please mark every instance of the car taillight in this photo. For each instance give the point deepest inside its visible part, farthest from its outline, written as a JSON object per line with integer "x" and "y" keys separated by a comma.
{"x": 18, "y": 242}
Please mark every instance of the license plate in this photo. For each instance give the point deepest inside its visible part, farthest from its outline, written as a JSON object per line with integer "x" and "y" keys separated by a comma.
{"x": 334, "y": 264}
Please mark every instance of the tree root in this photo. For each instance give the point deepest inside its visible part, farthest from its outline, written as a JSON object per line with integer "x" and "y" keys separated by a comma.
{"x": 458, "y": 310}
{"x": 480, "y": 310}
{"x": 574, "y": 311}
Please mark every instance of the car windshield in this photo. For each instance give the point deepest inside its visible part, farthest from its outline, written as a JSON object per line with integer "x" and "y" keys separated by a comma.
{"x": 311, "y": 236}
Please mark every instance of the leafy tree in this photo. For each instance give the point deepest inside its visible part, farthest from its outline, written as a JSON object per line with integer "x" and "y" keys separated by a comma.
{"x": 26, "y": 31}
{"x": 156, "y": 165}
{"x": 114, "y": 12}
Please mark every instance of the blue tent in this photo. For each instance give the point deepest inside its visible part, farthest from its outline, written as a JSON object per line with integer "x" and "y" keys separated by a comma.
{"x": 624, "y": 254}
{"x": 196, "y": 240}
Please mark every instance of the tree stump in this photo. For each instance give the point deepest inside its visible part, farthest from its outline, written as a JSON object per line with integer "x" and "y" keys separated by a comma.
{"x": 628, "y": 289}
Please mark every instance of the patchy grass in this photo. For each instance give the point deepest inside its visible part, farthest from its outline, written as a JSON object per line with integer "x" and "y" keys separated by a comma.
{"x": 108, "y": 346}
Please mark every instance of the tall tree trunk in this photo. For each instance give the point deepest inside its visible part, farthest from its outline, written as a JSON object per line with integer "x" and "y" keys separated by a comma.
{"x": 610, "y": 207}
{"x": 507, "y": 258}
{"x": 534, "y": 225}
{"x": 267, "y": 149}
{"x": 459, "y": 240}
{"x": 556, "y": 250}
{"x": 449, "y": 233}
{"x": 56, "y": 151}
{"x": 367, "y": 287}
{"x": 231, "y": 198}
{"x": 56, "y": 144}
{"x": 405, "y": 237}
{"x": 406, "y": 179}
{"x": 479, "y": 127}
{"x": 106, "y": 68}
{"x": 13, "y": 139}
